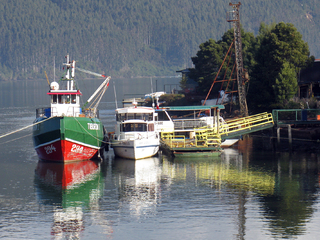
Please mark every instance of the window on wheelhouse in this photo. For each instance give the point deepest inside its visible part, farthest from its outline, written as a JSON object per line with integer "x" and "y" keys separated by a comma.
{"x": 61, "y": 99}
{"x": 130, "y": 116}
{"x": 133, "y": 127}
{"x": 73, "y": 99}
{"x": 162, "y": 116}
{"x": 54, "y": 99}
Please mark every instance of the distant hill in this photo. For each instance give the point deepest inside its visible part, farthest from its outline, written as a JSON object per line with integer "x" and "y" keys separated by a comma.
{"x": 125, "y": 38}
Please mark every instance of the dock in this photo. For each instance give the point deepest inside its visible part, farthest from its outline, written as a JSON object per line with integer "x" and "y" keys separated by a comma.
{"x": 194, "y": 137}
{"x": 301, "y": 124}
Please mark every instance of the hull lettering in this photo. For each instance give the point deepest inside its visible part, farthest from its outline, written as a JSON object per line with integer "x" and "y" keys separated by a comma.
{"x": 93, "y": 126}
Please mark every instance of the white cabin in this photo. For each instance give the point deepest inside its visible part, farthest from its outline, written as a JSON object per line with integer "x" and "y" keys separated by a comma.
{"x": 65, "y": 103}
{"x": 140, "y": 119}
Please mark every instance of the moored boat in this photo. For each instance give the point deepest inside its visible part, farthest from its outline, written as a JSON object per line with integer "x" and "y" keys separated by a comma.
{"x": 135, "y": 136}
{"x": 64, "y": 131}
{"x": 190, "y": 130}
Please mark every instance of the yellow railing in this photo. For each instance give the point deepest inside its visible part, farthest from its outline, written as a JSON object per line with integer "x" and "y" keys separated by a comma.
{"x": 170, "y": 139}
{"x": 209, "y": 137}
{"x": 203, "y": 137}
{"x": 245, "y": 123}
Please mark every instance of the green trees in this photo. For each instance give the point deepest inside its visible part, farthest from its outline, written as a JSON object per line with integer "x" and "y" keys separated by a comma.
{"x": 121, "y": 38}
{"x": 130, "y": 38}
{"x": 211, "y": 55}
{"x": 279, "y": 56}
{"x": 207, "y": 62}
{"x": 286, "y": 85}
{"x": 273, "y": 60}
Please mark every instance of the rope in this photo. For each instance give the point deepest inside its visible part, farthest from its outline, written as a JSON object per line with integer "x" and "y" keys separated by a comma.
{"x": 16, "y": 139}
{"x": 18, "y": 130}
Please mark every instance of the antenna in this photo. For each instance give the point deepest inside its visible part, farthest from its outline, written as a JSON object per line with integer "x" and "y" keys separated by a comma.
{"x": 54, "y": 68}
{"x": 115, "y": 95}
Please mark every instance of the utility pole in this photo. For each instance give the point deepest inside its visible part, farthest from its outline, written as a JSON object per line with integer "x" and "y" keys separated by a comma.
{"x": 234, "y": 17}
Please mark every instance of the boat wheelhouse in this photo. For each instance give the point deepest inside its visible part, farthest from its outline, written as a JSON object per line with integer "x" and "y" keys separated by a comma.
{"x": 135, "y": 136}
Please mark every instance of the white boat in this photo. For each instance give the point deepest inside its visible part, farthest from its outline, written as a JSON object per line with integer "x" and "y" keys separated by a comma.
{"x": 135, "y": 136}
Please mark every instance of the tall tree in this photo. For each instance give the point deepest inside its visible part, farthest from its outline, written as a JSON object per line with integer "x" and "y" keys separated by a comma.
{"x": 279, "y": 57}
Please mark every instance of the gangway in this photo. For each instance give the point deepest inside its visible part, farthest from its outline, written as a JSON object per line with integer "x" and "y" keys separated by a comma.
{"x": 240, "y": 126}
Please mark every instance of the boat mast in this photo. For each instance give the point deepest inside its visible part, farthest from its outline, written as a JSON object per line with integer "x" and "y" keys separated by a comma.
{"x": 68, "y": 77}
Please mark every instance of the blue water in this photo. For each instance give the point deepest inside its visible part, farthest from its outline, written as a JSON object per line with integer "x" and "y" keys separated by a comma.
{"x": 251, "y": 191}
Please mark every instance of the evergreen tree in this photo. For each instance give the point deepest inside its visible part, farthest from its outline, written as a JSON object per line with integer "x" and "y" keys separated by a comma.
{"x": 207, "y": 62}
{"x": 286, "y": 85}
{"x": 279, "y": 57}
{"x": 125, "y": 38}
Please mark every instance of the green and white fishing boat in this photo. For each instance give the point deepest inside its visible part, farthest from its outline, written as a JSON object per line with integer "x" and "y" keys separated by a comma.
{"x": 65, "y": 131}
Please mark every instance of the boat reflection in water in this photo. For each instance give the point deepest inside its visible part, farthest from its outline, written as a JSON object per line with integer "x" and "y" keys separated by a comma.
{"x": 138, "y": 183}
{"x": 70, "y": 188}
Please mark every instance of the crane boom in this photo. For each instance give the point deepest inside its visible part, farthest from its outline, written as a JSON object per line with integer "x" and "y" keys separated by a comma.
{"x": 100, "y": 90}
{"x": 105, "y": 84}
{"x": 89, "y": 72}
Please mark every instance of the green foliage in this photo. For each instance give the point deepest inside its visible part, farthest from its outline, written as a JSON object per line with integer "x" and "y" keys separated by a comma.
{"x": 120, "y": 37}
{"x": 286, "y": 84}
{"x": 173, "y": 99}
{"x": 207, "y": 62}
{"x": 209, "y": 59}
{"x": 130, "y": 38}
{"x": 280, "y": 55}
{"x": 292, "y": 104}
{"x": 273, "y": 59}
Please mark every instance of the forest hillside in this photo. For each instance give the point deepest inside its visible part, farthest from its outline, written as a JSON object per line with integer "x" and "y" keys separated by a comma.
{"x": 125, "y": 38}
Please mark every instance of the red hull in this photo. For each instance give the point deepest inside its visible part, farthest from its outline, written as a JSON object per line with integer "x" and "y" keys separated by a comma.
{"x": 64, "y": 151}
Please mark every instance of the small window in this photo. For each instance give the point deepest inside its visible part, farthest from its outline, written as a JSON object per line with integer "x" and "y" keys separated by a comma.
{"x": 67, "y": 99}
{"x": 133, "y": 127}
{"x": 54, "y": 99}
{"x": 130, "y": 116}
{"x": 73, "y": 99}
{"x": 162, "y": 116}
{"x": 121, "y": 117}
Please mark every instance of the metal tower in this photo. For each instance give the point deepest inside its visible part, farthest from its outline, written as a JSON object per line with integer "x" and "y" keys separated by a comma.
{"x": 234, "y": 17}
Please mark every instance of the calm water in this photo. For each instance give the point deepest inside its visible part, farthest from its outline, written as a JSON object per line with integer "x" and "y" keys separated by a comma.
{"x": 250, "y": 192}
